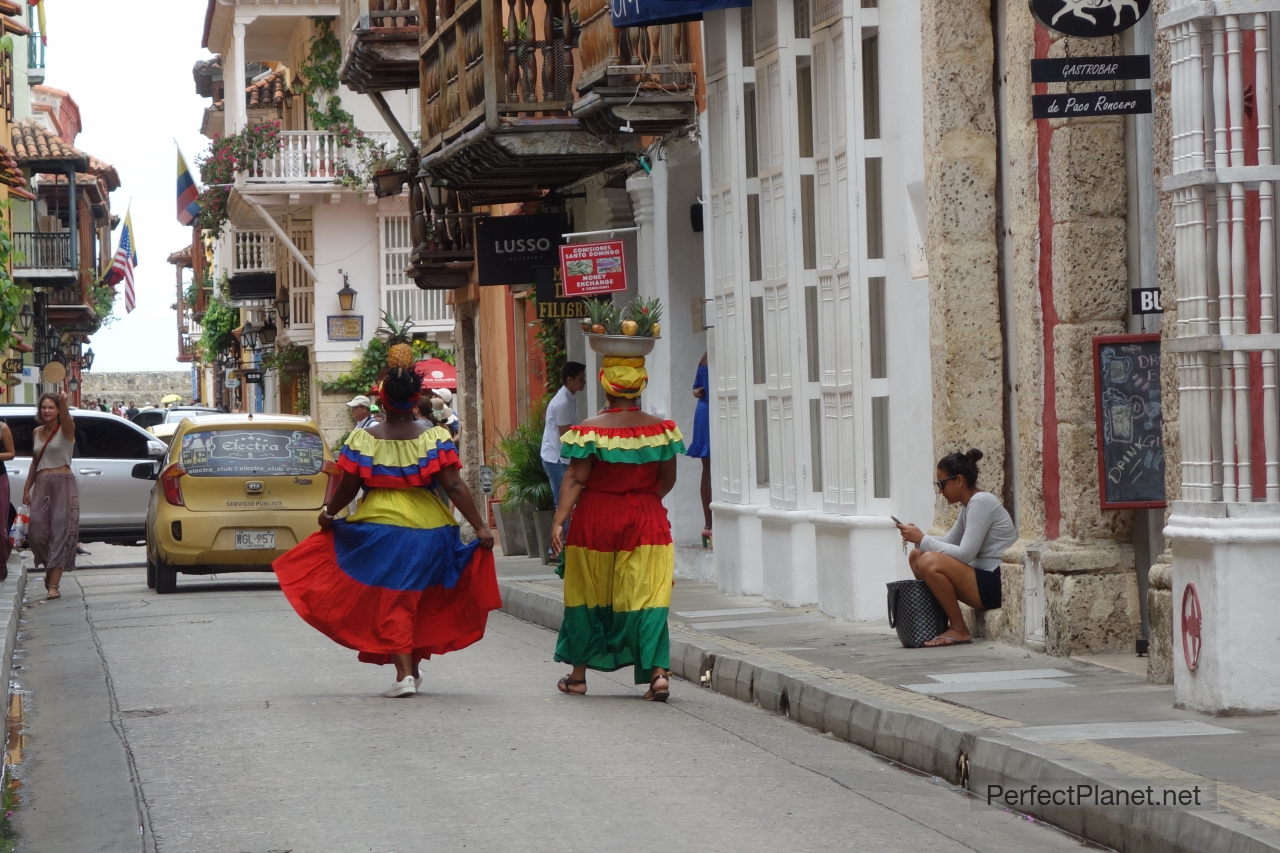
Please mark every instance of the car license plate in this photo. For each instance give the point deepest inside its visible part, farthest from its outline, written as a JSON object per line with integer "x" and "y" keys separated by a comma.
{"x": 247, "y": 540}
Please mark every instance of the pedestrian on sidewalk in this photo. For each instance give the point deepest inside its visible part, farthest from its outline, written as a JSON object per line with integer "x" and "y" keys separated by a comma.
{"x": 963, "y": 565}
{"x": 700, "y": 444}
{"x": 393, "y": 580}
{"x": 619, "y": 561}
{"x": 562, "y": 413}
{"x": 51, "y": 492}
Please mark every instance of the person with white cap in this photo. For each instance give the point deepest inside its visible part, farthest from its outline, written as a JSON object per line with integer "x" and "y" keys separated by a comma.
{"x": 450, "y": 417}
{"x": 360, "y": 411}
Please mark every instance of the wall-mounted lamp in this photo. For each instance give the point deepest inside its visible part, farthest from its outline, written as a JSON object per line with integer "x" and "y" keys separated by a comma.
{"x": 26, "y": 315}
{"x": 267, "y": 332}
{"x": 347, "y": 295}
{"x": 86, "y": 360}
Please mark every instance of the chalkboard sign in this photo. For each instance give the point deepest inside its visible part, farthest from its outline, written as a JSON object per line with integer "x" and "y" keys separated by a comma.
{"x": 1126, "y": 378}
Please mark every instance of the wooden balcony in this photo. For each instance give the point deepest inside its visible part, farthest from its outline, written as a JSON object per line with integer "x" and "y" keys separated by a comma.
{"x": 497, "y": 88}
{"x": 380, "y": 51}
{"x": 70, "y": 308}
{"x": 634, "y": 79}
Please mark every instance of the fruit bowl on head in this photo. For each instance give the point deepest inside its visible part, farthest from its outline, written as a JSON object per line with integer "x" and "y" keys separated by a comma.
{"x": 624, "y": 346}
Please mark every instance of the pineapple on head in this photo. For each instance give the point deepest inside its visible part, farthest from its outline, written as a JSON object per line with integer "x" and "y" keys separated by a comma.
{"x": 644, "y": 317}
{"x": 399, "y": 342}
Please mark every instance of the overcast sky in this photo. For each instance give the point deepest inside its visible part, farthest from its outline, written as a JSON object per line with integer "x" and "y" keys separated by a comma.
{"x": 129, "y": 70}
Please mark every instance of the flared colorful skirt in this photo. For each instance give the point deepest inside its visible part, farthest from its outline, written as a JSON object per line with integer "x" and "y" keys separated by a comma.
{"x": 618, "y": 567}
{"x": 385, "y": 589}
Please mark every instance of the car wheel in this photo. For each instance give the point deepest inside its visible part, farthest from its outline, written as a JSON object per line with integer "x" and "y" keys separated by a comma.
{"x": 151, "y": 572}
{"x": 166, "y": 578}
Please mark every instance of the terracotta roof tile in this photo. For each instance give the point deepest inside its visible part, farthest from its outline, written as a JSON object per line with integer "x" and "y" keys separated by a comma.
{"x": 11, "y": 175}
{"x": 10, "y": 7}
{"x": 32, "y": 141}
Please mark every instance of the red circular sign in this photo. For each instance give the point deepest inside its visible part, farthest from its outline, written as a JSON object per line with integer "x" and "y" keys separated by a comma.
{"x": 1191, "y": 619}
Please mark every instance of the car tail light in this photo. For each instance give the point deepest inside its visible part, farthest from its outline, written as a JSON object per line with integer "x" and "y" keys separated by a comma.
{"x": 334, "y": 474}
{"x": 170, "y": 486}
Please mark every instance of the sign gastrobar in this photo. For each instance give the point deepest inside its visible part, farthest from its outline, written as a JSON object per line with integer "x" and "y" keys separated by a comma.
{"x": 253, "y": 377}
{"x": 509, "y": 248}
{"x": 591, "y": 268}
{"x": 1089, "y": 18}
{"x": 1090, "y": 104}
{"x": 1091, "y": 69}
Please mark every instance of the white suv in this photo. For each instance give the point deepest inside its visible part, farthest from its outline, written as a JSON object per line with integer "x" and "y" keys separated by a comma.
{"x": 113, "y": 504}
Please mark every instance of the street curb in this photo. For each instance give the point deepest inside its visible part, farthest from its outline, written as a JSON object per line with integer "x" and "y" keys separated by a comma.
{"x": 967, "y": 755}
{"x": 11, "y": 600}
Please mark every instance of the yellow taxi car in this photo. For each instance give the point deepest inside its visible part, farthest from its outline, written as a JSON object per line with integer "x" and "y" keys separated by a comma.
{"x": 233, "y": 493}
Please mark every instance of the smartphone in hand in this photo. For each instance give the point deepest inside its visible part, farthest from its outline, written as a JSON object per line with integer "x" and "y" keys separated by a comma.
{"x": 895, "y": 520}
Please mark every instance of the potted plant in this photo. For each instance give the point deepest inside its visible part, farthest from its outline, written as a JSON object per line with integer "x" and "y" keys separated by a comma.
{"x": 527, "y": 490}
{"x": 388, "y": 170}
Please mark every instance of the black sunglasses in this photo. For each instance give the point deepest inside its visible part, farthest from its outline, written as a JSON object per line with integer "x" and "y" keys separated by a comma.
{"x": 944, "y": 481}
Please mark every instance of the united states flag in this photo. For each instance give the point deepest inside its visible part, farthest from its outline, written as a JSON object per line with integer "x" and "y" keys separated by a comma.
{"x": 122, "y": 264}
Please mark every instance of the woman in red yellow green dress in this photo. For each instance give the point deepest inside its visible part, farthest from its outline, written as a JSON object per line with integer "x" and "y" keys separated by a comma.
{"x": 618, "y": 559}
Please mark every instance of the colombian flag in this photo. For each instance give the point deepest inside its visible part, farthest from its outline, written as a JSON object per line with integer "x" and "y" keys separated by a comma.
{"x": 188, "y": 207}
{"x": 619, "y": 560}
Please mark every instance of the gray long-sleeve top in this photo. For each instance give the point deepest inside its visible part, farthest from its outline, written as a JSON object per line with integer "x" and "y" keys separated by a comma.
{"x": 980, "y": 536}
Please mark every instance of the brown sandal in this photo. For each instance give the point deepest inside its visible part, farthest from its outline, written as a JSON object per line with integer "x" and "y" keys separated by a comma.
{"x": 566, "y": 685}
{"x": 54, "y": 594}
{"x": 658, "y": 694}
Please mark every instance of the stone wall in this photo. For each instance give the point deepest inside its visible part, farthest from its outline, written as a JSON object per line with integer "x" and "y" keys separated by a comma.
{"x": 1028, "y": 218}
{"x": 139, "y": 387}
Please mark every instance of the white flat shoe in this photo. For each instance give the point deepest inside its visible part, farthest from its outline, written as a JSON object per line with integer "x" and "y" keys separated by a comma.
{"x": 404, "y": 687}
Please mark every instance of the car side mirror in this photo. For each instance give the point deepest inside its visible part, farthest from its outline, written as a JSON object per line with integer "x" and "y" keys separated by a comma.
{"x": 146, "y": 471}
{"x": 156, "y": 448}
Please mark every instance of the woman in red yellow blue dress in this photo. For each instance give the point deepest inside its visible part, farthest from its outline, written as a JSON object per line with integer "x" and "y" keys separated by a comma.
{"x": 618, "y": 560}
{"x": 393, "y": 580}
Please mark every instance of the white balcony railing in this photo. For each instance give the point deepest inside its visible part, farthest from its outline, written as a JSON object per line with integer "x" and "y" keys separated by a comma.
{"x": 310, "y": 156}
{"x": 253, "y": 251}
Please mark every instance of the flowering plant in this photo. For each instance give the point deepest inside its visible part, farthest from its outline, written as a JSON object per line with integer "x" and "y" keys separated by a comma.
{"x": 228, "y": 155}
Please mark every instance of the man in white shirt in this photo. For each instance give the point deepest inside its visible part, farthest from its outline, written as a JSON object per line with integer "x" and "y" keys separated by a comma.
{"x": 562, "y": 413}
{"x": 361, "y": 412}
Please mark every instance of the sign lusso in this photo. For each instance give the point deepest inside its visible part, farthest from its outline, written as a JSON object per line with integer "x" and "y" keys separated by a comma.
{"x": 510, "y": 248}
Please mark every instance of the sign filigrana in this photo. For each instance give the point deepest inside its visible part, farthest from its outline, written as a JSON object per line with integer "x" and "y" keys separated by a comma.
{"x": 1089, "y": 18}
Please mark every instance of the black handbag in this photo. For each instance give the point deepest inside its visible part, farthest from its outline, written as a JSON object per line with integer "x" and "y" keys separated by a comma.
{"x": 915, "y": 613}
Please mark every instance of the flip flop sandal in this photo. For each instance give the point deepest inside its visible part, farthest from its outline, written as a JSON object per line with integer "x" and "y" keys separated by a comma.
{"x": 54, "y": 594}
{"x": 564, "y": 685}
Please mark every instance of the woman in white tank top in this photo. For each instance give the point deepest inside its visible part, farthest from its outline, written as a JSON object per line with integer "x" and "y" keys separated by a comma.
{"x": 51, "y": 492}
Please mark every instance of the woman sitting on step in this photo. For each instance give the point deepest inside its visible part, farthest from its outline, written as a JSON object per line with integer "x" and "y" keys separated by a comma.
{"x": 963, "y": 565}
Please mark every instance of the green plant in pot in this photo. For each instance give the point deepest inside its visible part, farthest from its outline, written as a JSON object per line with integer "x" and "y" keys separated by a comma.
{"x": 526, "y": 490}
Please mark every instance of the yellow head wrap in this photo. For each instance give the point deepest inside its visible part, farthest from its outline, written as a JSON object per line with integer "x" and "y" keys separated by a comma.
{"x": 623, "y": 377}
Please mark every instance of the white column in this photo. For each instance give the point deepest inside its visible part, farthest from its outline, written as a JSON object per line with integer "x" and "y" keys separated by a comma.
{"x": 235, "y": 112}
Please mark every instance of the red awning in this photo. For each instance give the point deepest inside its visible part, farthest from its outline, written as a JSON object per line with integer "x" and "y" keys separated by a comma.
{"x": 437, "y": 373}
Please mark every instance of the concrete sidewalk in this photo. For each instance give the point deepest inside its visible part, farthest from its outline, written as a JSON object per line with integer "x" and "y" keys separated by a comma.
{"x": 1075, "y": 742}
